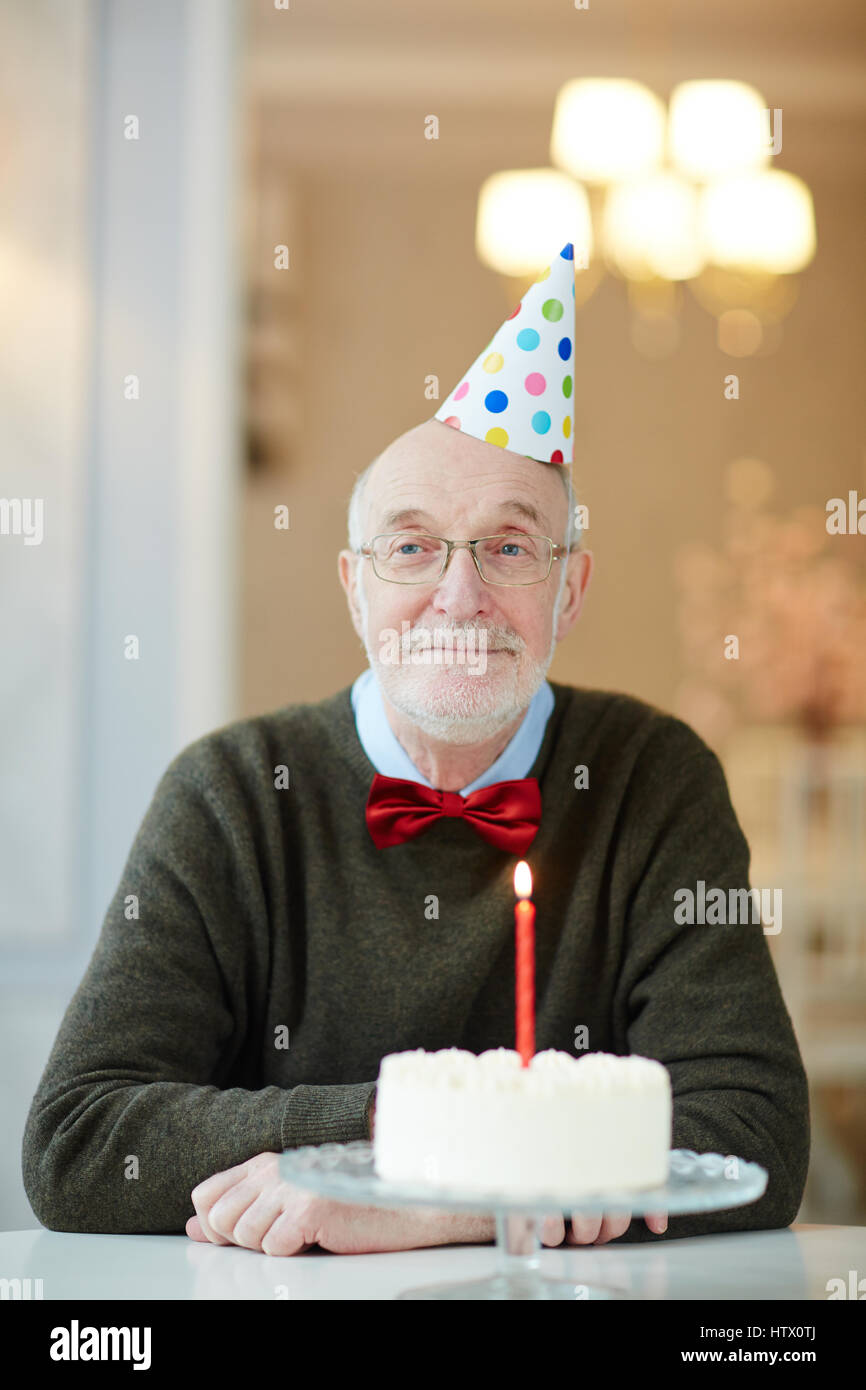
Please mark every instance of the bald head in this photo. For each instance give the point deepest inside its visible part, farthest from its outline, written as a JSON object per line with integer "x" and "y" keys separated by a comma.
{"x": 444, "y": 464}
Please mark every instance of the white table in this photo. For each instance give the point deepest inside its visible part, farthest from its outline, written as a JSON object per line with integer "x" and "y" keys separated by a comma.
{"x": 790, "y": 1264}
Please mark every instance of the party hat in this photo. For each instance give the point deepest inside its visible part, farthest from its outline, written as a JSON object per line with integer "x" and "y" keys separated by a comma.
{"x": 519, "y": 391}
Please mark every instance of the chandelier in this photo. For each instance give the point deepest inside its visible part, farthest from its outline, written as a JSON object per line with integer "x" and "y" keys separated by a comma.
{"x": 661, "y": 197}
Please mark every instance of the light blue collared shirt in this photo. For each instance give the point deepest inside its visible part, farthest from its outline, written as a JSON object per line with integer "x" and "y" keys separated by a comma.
{"x": 390, "y": 758}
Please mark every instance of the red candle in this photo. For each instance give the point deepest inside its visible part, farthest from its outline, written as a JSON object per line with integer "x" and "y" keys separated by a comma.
{"x": 524, "y": 922}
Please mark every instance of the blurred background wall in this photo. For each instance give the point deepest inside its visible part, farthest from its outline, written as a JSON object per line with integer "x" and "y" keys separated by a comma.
{"x": 260, "y": 387}
{"x": 119, "y": 414}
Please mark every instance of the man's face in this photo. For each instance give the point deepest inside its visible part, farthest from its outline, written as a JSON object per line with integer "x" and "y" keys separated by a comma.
{"x": 438, "y": 480}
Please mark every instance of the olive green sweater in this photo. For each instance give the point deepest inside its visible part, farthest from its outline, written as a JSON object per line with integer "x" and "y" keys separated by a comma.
{"x": 260, "y": 956}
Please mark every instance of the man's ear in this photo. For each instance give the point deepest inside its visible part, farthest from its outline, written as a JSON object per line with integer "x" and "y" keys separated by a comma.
{"x": 350, "y": 577}
{"x": 579, "y": 569}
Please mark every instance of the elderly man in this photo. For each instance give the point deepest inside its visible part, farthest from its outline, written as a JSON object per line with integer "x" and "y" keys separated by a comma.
{"x": 311, "y": 890}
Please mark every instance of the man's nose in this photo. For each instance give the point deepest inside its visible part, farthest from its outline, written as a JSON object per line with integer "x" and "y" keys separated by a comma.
{"x": 461, "y": 592}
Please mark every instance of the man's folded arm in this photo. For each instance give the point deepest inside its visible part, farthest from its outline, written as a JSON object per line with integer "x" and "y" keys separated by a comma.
{"x": 704, "y": 998}
{"x": 130, "y": 1114}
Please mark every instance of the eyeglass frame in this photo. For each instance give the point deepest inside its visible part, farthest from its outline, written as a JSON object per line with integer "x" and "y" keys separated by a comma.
{"x": 556, "y": 553}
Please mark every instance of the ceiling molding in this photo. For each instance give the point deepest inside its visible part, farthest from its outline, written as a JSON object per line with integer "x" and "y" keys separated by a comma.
{"x": 328, "y": 75}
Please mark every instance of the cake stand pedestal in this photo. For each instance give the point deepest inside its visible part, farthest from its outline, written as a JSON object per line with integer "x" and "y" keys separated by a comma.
{"x": 696, "y": 1182}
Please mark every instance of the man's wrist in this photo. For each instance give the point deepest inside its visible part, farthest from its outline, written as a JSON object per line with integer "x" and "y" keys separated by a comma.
{"x": 464, "y": 1228}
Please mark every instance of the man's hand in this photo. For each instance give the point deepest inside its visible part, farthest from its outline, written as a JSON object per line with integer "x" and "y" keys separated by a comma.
{"x": 250, "y": 1205}
{"x": 598, "y": 1230}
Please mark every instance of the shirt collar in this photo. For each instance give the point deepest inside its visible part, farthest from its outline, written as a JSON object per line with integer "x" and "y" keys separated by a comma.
{"x": 390, "y": 758}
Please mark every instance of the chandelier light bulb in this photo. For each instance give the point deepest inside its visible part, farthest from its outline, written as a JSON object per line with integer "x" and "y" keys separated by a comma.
{"x": 651, "y": 228}
{"x": 717, "y": 129}
{"x": 523, "y": 212}
{"x": 607, "y": 129}
{"x": 761, "y": 222}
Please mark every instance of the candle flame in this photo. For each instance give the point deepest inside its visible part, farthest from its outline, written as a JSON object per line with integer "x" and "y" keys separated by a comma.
{"x": 523, "y": 880}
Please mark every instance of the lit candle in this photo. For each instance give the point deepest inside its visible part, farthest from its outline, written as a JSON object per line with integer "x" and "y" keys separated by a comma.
{"x": 524, "y": 922}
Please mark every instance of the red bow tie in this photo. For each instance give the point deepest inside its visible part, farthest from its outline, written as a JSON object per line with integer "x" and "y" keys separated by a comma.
{"x": 505, "y": 814}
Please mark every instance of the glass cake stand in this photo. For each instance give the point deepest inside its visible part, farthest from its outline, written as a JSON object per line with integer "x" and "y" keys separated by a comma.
{"x": 696, "y": 1182}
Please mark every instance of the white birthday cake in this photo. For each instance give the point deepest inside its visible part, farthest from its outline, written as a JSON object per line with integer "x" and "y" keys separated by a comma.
{"x": 563, "y": 1124}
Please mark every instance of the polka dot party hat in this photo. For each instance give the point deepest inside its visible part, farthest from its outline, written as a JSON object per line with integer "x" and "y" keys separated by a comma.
{"x": 519, "y": 392}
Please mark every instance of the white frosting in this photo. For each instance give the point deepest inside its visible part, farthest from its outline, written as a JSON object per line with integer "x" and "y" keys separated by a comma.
{"x": 562, "y": 1125}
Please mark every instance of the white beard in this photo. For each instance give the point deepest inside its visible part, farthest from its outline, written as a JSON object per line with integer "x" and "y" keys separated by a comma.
{"x": 449, "y": 703}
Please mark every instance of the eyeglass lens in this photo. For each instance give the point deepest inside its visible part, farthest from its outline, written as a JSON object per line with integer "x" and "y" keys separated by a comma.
{"x": 411, "y": 557}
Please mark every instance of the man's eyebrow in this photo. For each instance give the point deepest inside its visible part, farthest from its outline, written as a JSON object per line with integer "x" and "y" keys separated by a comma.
{"x": 396, "y": 521}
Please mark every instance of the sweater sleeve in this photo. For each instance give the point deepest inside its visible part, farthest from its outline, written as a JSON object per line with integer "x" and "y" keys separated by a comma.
{"x": 704, "y": 999}
{"x": 130, "y": 1114}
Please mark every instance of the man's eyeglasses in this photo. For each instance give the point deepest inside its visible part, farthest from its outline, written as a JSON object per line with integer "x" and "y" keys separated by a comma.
{"x": 412, "y": 557}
